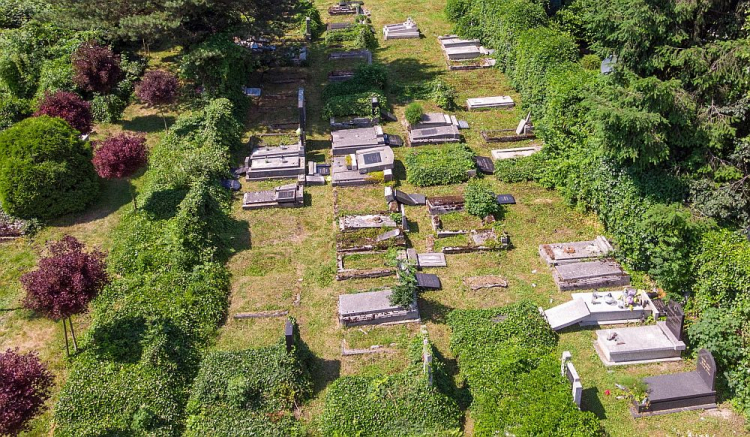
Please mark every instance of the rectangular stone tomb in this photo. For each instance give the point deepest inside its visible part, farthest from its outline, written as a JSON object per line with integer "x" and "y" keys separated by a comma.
{"x": 489, "y": 102}
{"x": 347, "y": 141}
{"x": 567, "y": 253}
{"x": 445, "y": 204}
{"x": 601, "y": 308}
{"x": 374, "y": 307}
{"x": 517, "y": 152}
{"x": 681, "y": 391}
{"x": 285, "y": 196}
{"x": 569, "y": 372}
{"x": 354, "y": 222}
{"x": 590, "y": 274}
{"x": 431, "y": 260}
{"x": 333, "y": 27}
{"x": 463, "y": 53}
{"x": 277, "y": 151}
{"x": 434, "y": 135}
{"x": 283, "y": 167}
{"x": 359, "y": 167}
{"x": 352, "y": 54}
{"x": 436, "y": 119}
{"x": 428, "y": 281}
{"x": 405, "y": 30}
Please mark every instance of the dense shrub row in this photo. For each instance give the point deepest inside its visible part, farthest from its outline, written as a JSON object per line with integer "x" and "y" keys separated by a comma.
{"x": 507, "y": 357}
{"x": 250, "y": 392}
{"x": 142, "y": 349}
{"x": 637, "y": 144}
{"x": 400, "y": 404}
{"x": 448, "y": 164}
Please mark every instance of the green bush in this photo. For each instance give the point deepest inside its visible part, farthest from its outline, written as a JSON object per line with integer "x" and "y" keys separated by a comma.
{"x": 403, "y": 404}
{"x": 405, "y": 292}
{"x": 413, "y": 113}
{"x": 480, "y": 199}
{"x": 359, "y": 104}
{"x": 45, "y": 169}
{"x": 448, "y": 164}
{"x": 522, "y": 169}
{"x": 507, "y": 356}
{"x": 442, "y": 94}
{"x": 107, "y": 108}
{"x": 591, "y": 62}
{"x": 250, "y": 392}
{"x": 358, "y": 36}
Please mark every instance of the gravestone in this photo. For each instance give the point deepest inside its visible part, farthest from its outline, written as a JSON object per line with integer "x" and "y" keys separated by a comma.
{"x": 404, "y": 198}
{"x": 428, "y": 281}
{"x": 431, "y": 259}
{"x": 419, "y": 199}
{"x": 289, "y": 335}
{"x": 675, "y": 319}
{"x": 569, "y": 372}
{"x": 301, "y": 109}
{"x": 394, "y": 233}
{"x": 485, "y": 165}
{"x": 706, "y": 368}
{"x": 389, "y": 195}
{"x": 505, "y": 199}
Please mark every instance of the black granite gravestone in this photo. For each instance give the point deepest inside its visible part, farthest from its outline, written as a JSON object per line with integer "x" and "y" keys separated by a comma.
{"x": 484, "y": 164}
{"x": 429, "y": 281}
{"x": 505, "y": 199}
{"x": 289, "y": 335}
{"x": 675, "y": 318}
{"x": 707, "y": 368}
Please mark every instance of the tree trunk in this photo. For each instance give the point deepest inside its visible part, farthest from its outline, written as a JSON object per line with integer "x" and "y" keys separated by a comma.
{"x": 73, "y": 334}
{"x": 165, "y": 120}
{"x": 65, "y": 332}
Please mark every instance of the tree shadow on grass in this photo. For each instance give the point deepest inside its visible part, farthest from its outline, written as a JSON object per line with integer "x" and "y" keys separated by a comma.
{"x": 113, "y": 195}
{"x": 148, "y": 123}
{"x": 322, "y": 371}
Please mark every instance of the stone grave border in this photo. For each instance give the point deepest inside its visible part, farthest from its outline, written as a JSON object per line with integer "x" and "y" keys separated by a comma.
{"x": 441, "y": 233}
{"x": 343, "y": 274}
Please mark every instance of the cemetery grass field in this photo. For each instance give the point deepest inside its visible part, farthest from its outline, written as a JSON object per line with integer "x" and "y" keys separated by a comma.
{"x": 291, "y": 261}
{"x": 288, "y": 260}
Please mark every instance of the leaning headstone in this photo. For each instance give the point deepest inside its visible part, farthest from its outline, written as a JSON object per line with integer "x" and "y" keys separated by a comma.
{"x": 411, "y": 255}
{"x": 389, "y": 195}
{"x": 485, "y": 165}
{"x": 289, "y": 335}
{"x": 521, "y": 127}
{"x": 428, "y": 281}
{"x": 419, "y": 199}
{"x": 675, "y": 319}
{"x": 394, "y": 233}
{"x": 404, "y": 198}
{"x": 570, "y": 373}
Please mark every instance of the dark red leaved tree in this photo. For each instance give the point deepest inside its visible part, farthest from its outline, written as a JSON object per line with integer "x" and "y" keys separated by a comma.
{"x": 158, "y": 88}
{"x": 24, "y": 387}
{"x": 96, "y": 68}
{"x": 120, "y": 156}
{"x": 68, "y": 106}
{"x": 64, "y": 283}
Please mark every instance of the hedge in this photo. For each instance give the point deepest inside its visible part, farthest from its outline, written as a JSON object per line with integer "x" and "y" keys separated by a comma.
{"x": 142, "y": 349}
{"x": 445, "y": 165}
{"x": 507, "y": 356}
{"x": 401, "y": 404}
{"x": 359, "y": 104}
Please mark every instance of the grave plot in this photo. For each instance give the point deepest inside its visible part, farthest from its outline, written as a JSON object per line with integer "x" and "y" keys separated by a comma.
{"x": 281, "y": 102}
{"x": 361, "y": 265}
{"x": 501, "y": 102}
{"x": 364, "y": 240}
{"x": 348, "y": 8}
{"x": 363, "y": 167}
{"x": 602, "y": 308}
{"x": 487, "y": 281}
{"x": 524, "y": 131}
{"x": 426, "y": 260}
{"x": 643, "y": 344}
{"x": 276, "y": 156}
{"x": 568, "y": 253}
{"x": 374, "y": 307}
{"x": 347, "y": 141}
{"x": 285, "y": 196}
{"x": 590, "y": 274}
{"x": 680, "y": 391}
{"x": 465, "y": 54}
{"x": 406, "y": 30}
{"x": 460, "y": 232}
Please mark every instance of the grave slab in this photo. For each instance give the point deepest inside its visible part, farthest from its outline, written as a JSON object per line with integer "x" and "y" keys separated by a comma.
{"x": 352, "y": 222}
{"x": 505, "y": 199}
{"x": 374, "y": 307}
{"x": 573, "y": 252}
{"x": 428, "y": 281}
{"x": 431, "y": 260}
{"x": 516, "y": 152}
{"x": 485, "y": 165}
{"x": 590, "y": 274}
{"x": 404, "y": 198}
{"x": 567, "y": 314}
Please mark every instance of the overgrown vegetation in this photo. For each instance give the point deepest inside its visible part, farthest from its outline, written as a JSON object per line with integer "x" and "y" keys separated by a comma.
{"x": 413, "y": 113}
{"x": 480, "y": 200}
{"x": 635, "y": 145}
{"x": 400, "y": 404}
{"x": 354, "y": 96}
{"x": 507, "y": 357}
{"x": 448, "y": 164}
{"x": 249, "y": 392}
{"x": 142, "y": 349}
